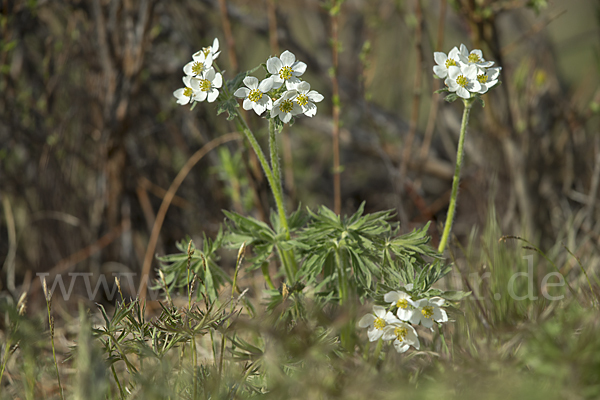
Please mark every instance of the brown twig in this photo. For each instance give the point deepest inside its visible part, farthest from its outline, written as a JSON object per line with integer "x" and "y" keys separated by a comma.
{"x": 162, "y": 212}
{"x": 414, "y": 117}
{"x": 228, "y": 35}
{"x": 435, "y": 100}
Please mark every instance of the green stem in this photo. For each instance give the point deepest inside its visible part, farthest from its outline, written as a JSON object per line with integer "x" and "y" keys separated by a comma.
{"x": 275, "y": 166}
{"x": 287, "y": 257}
{"x": 456, "y": 180}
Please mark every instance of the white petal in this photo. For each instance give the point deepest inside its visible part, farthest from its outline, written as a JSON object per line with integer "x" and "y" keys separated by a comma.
{"x": 286, "y": 118}
{"x": 464, "y": 51}
{"x": 212, "y": 95}
{"x": 440, "y": 71}
{"x": 287, "y": 58}
{"x": 442, "y": 317}
{"x": 373, "y": 333}
{"x": 266, "y": 85}
{"x": 400, "y": 346}
{"x": 462, "y": 92}
{"x": 247, "y": 104}
{"x": 454, "y": 53}
{"x": 215, "y": 46}
{"x": 391, "y": 297}
{"x": 309, "y": 109}
{"x": 277, "y": 81}
{"x": 470, "y": 71}
{"x": 453, "y": 72}
{"x": 251, "y": 82}
{"x": 438, "y": 301}
{"x": 186, "y": 80}
{"x": 299, "y": 68}
{"x": 218, "y": 80}
{"x": 210, "y": 74}
{"x": 200, "y": 96}
{"x": 187, "y": 68}
{"x": 274, "y": 65}
{"x": 259, "y": 108}
{"x": 367, "y": 320}
{"x": 440, "y": 58}
{"x": 405, "y": 314}
{"x": 315, "y": 96}
{"x": 242, "y": 92}
{"x": 379, "y": 311}
{"x": 426, "y": 322}
{"x": 291, "y": 85}
{"x": 195, "y": 84}
{"x": 303, "y": 87}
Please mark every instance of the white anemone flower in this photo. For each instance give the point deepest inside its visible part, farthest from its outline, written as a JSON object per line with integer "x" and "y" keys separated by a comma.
{"x": 286, "y": 106}
{"x": 285, "y": 68}
{"x": 254, "y": 94}
{"x": 474, "y": 57}
{"x": 402, "y": 301}
{"x": 403, "y": 335}
{"x": 212, "y": 50}
{"x": 428, "y": 311}
{"x": 488, "y": 78}
{"x": 444, "y": 62}
{"x": 200, "y": 64}
{"x": 306, "y": 98}
{"x": 377, "y": 322}
{"x": 186, "y": 94}
{"x": 463, "y": 80}
{"x": 208, "y": 86}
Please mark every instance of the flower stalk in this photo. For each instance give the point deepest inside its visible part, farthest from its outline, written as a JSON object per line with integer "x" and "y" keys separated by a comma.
{"x": 456, "y": 180}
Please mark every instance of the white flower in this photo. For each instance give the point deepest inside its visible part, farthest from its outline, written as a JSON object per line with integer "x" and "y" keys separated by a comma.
{"x": 427, "y": 311}
{"x": 286, "y": 106}
{"x": 463, "y": 80}
{"x": 212, "y": 50}
{"x": 306, "y": 98}
{"x": 200, "y": 65}
{"x": 475, "y": 57}
{"x": 254, "y": 94}
{"x": 208, "y": 86}
{"x": 445, "y": 61}
{"x": 285, "y": 68}
{"x": 376, "y": 322}
{"x": 488, "y": 78}
{"x": 403, "y": 335}
{"x": 402, "y": 301}
{"x": 185, "y": 95}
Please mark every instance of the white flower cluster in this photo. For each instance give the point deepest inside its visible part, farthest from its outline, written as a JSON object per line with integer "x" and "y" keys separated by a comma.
{"x": 282, "y": 93}
{"x": 397, "y": 327}
{"x": 466, "y": 73}
{"x": 201, "y": 80}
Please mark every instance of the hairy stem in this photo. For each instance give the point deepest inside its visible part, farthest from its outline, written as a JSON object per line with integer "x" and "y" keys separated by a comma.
{"x": 456, "y": 181}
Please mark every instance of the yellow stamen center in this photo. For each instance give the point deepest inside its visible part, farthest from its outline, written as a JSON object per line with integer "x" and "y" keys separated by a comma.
{"x": 206, "y": 50}
{"x": 379, "y": 323}
{"x": 402, "y": 303}
{"x": 450, "y": 62}
{"x": 205, "y": 85}
{"x": 197, "y": 68}
{"x": 401, "y": 333}
{"x": 302, "y": 99}
{"x": 285, "y": 73}
{"x": 188, "y": 92}
{"x": 474, "y": 58}
{"x": 462, "y": 81}
{"x": 427, "y": 312}
{"x": 483, "y": 78}
{"x": 255, "y": 95}
{"x": 287, "y": 106}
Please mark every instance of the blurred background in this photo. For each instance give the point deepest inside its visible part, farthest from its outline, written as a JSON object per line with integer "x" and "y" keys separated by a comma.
{"x": 91, "y": 138}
